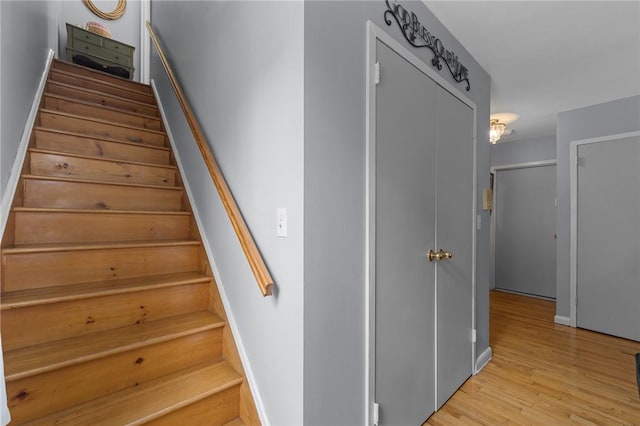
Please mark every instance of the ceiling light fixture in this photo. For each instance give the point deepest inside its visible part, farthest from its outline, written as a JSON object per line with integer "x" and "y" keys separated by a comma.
{"x": 496, "y": 130}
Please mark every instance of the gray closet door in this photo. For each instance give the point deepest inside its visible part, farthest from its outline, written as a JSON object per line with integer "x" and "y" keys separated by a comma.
{"x": 608, "y": 237}
{"x": 454, "y": 232}
{"x": 404, "y": 210}
{"x": 525, "y": 228}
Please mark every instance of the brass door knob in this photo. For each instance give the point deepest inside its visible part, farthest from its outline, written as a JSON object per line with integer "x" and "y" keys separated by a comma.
{"x": 434, "y": 256}
{"x": 445, "y": 254}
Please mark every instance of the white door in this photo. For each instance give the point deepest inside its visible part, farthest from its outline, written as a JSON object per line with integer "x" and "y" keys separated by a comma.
{"x": 404, "y": 211}
{"x": 525, "y": 229}
{"x": 608, "y": 237}
{"x": 423, "y": 201}
{"x": 454, "y": 233}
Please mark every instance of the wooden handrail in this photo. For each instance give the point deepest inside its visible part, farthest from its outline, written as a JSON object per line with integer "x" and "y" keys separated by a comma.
{"x": 256, "y": 262}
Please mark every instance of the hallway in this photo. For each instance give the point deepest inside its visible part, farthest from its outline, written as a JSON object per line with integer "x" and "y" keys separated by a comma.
{"x": 546, "y": 374}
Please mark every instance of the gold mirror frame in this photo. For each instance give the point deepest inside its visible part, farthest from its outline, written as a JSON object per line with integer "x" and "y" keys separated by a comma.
{"x": 113, "y": 15}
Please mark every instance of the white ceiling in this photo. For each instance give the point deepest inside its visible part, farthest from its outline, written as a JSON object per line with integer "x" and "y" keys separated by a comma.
{"x": 548, "y": 56}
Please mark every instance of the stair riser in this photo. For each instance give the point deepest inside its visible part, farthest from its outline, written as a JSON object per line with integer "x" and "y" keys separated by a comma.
{"x": 101, "y": 87}
{"x": 100, "y": 98}
{"x": 79, "y": 195}
{"x": 216, "y": 410}
{"x": 76, "y": 70}
{"x": 65, "y": 123}
{"x": 99, "y": 148}
{"x": 59, "y": 165}
{"x": 36, "y": 270}
{"x": 53, "y": 227}
{"x": 99, "y": 377}
{"x": 92, "y": 111}
{"x": 79, "y": 317}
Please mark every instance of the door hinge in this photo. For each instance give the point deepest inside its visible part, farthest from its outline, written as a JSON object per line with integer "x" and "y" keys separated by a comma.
{"x": 473, "y": 336}
{"x": 376, "y": 77}
{"x": 375, "y": 413}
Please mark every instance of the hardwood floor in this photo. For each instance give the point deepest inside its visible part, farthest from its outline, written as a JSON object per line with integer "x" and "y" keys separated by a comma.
{"x": 546, "y": 374}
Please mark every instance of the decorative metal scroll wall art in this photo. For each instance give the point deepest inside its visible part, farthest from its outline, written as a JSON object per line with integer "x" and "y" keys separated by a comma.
{"x": 418, "y": 36}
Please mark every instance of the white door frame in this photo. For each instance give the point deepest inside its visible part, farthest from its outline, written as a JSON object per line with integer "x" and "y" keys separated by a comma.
{"x": 573, "y": 229}
{"x": 494, "y": 201}
{"x": 145, "y": 42}
{"x": 375, "y": 33}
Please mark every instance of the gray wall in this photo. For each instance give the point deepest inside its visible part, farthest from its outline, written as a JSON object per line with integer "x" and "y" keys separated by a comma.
{"x": 524, "y": 151}
{"x": 28, "y": 23}
{"x": 126, "y": 29}
{"x": 241, "y": 66}
{"x": 619, "y": 116}
{"x": 246, "y": 84}
{"x": 334, "y": 200}
{"x": 23, "y": 51}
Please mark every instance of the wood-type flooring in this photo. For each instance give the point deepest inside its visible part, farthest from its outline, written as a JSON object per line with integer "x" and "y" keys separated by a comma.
{"x": 543, "y": 373}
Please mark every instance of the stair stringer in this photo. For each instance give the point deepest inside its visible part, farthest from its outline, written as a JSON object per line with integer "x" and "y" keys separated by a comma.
{"x": 252, "y": 409}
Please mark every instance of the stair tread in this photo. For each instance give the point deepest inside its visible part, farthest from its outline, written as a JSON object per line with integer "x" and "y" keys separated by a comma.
{"x": 101, "y": 81}
{"x": 100, "y": 182}
{"x": 99, "y": 74}
{"x": 53, "y": 247}
{"x": 99, "y": 105}
{"x": 89, "y": 157}
{"x": 87, "y": 211}
{"x": 101, "y": 138}
{"x": 101, "y": 121}
{"x": 150, "y": 400}
{"x": 37, "y": 359}
{"x": 103, "y": 94}
{"x": 235, "y": 422}
{"x": 39, "y": 296}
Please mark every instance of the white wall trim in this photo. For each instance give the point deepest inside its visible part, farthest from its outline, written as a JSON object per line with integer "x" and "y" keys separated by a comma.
{"x": 523, "y": 165}
{"x": 376, "y": 33}
{"x": 370, "y": 241}
{"x": 253, "y": 386}
{"x": 483, "y": 360}
{"x": 573, "y": 228}
{"x": 16, "y": 169}
{"x": 145, "y": 42}
{"x": 562, "y": 320}
{"x": 494, "y": 203}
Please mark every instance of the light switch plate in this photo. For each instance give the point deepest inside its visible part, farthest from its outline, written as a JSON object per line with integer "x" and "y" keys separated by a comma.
{"x": 281, "y": 222}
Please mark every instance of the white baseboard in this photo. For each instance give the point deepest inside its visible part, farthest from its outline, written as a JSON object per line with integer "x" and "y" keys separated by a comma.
{"x": 16, "y": 169}
{"x": 558, "y": 319}
{"x": 225, "y": 301}
{"x": 483, "y": 359}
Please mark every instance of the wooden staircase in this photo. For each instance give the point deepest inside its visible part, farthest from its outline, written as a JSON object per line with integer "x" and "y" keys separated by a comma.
{"x": 110, "y": 314}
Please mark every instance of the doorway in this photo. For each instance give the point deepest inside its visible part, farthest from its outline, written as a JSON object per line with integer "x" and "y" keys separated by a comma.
{"x": 523, "y": 227}
{"x": 421, "y": 200}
